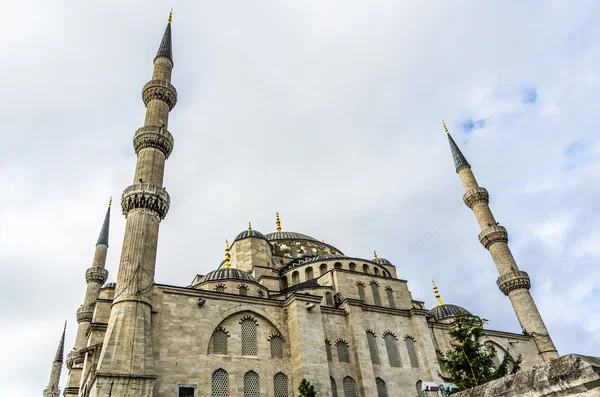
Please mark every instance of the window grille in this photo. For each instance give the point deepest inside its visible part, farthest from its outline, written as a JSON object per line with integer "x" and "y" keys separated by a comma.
{"x": 349, "y": 387}
{"x": 420, "y": 392}
{"x": 361, "y": 292}
{"x": 342, "y": 351}
{"x": 220, "y": 288}
{"x": 333, "y": 387}
{"x": 243, "y": 290}
{"x": 249, "y": 338}
{"x": 220, "y": 383}
{"x": 251, "y": 385}
{"x": 390, "y": 296}
{"x": 381, "y": 388}
{"x": 373, "y": 347}
{"x": 376, "y": 297}
{"x": 412, "y": 353}
{"x": 280, "y": 383}
{"x": 328, "y": 299}
{"x": 328, "y": 350}
{"x": 219, "y": 339}
{"x": 185, "y": 391}
{"x": 392, "y": 350}
{"x": 276, "y": 347}
{"x": 309, "y": 273}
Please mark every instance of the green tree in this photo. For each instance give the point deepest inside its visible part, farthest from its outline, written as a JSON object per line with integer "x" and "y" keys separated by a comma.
{"x": 306, "y": 389}
{"x": 470, "y": 363}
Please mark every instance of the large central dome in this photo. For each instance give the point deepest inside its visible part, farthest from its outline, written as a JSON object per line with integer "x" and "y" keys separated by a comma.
{"x": 289, "y": 236}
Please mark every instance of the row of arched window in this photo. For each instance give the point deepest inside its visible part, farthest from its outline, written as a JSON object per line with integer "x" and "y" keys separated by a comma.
{"x": 220, "y": 337}
{"x": 391, "y": 346}
{"x": 220, "y": 384}
{"x": 323, "y": 268}
{"x": 375, "y": 294}
{"x": 343, "y": 351}
{"x": 242, "y": 290}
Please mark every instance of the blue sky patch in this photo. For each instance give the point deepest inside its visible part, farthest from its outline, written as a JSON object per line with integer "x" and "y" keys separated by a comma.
{"x": 575, "y": 148}
{"x": 530, "y": 96}
{"x": 471, "y": 125}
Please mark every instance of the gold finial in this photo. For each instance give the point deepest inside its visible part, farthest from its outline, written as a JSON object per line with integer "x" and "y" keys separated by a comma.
{"x": 227, "y": 255}
{"x": 171, "y": 16}
{"x": 445, "y": 128}
{"x": 110, "y": 201}
{"x": 374, "y": 255}
{"x": 278, "y": 222}
{"x": 437, "y": 294}
{"x": 249, "y": 225}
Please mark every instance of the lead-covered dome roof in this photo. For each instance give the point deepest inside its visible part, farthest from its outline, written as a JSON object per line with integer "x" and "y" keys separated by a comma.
{"x": 444, "y": 311}
{"x": 382, "y": 261}
{"x": 289, "y": 236}
{"x": 227, "y": 274}
{"x": 249, "y": 233}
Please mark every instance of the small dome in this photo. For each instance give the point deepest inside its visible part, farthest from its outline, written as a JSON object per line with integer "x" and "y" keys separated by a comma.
{"x": 289, "y": 236}
{"x": 444, "y": 311}
{"x": 109, "y": 285}
{"x": 382, "y": 261}
{"x": 227, "y": 274}
{"x": 249, "y": 233}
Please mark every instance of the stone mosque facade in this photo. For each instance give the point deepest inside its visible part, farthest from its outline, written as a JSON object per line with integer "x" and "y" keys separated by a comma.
{"x": 281, "y": 307}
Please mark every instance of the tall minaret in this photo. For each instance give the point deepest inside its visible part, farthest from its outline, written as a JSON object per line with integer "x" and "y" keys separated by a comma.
{"x": 52, "y": 389}
{"x": 126, "y": 363}
{"x": 512, "y": 282}
{"x": 95, "y": 276}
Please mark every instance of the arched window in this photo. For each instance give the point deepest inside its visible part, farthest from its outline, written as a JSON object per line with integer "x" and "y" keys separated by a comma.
{"x": 420, "y": 392}
{"x": 328, "y": 350}
{"x": 373, "y": 347}
{"x": 328, "y": 298}
{"x": 219, "y": 341}
{"x": 376, "y": 270}
{"x": 381, "y": 388}
{"x": 220, "y": 383}
{"x": 342, "y": 351}
{"x": 308, "y": 273}
{"x": 361, "y": 291}
{"x": 352, "y": 266}
{"x": 349, "y": 387}
{"x": 392, "y": 350}
{"x": 390, "y": 296}
{"x": 322, "y": 269}
{"x": 412, "y": 352}
{"x": 295, "y": 277}
{"x": 276, "y": 347}
{"x": 375, "y": 291}
{"x": 337, "y": 265}
{"x": 243, "y": 290}
{"x": 220, "y": 288}
{"x": 365, "y": 268}
{"x": 251, "y": 384}
{"x": 249, "y": 337}
{"x": 333, "y": 387}
{"x": 284, "y": 282}
{"x": 280, "y": 383}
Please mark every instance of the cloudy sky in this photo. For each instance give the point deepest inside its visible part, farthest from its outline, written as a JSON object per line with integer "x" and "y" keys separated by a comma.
{"x": 328, "y": 112}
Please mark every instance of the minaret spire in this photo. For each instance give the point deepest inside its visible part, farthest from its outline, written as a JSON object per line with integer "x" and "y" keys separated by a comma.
{"x": 103, "y": 237}
{"x": 512, "y": 282}
{"x": 52, "y": 390}
{"x": 166, "y": 49}
{"x": 437, "y": 294}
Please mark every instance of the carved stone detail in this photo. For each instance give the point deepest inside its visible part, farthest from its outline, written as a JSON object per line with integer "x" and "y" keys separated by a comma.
{"x": 476, "y": 195}
{"x": 153, "y": 136}
{"x": 492, "y": 235}
{"x": 513, "y": 281}
{"x": 96, "y": 274}
{"x": 162, "y": 90}
{"x": 146, "y": 196}
{"x": 85, "y": 314}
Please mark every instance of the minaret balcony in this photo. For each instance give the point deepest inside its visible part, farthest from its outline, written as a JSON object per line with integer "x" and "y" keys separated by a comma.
{"x": 492, "y": 235}
{"x": 512, "y": 281}
{"x": 146, "y": 196}
{"x": 475, "y": 196}
{"x": 85, "y": 314}
{"x": 161, "y": 90}
{"x": 96, "y": 274}
{"x": 155, "y": 137}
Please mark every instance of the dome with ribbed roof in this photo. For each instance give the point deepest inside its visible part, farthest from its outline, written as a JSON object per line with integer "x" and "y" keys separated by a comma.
{"x": 289, "y": 236}
{"x": 111, "y": 284}
{"x": 382, "y": 261}
{"x": 227, "y": 274}
{"x": 444, "y": 311}
{"x": 249, "y": 233}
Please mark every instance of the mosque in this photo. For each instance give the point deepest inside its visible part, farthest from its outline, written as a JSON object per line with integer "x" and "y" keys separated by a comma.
{"x": 281, "y": 307}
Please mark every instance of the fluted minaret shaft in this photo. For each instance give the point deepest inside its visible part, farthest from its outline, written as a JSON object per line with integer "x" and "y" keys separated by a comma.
{"x": 52, "y": 390}
{"x": 512, "y": 282}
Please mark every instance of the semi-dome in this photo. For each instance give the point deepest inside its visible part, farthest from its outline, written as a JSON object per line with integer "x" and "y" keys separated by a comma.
{"x": 227, "y": 274}
{"x": 249, "y": 233}
{"x": 109, "y": 285}
{"x": 382, "y": 261}
{"x": 289, "y": 236}
{"x": 444, "y": 311}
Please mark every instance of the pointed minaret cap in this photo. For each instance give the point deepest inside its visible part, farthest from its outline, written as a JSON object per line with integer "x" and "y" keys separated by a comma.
{"x": 460, "y": 162}
{"x": 437, "y": 294}
{"x": 61, "y": 347}
{"x": 103, "y": 237}
{"x": 165, "y": 49}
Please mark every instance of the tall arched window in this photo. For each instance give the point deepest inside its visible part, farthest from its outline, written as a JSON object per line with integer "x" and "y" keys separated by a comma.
{"x": 251, "y": 384}
{"x": 249, "y": 337}
{"x": 295, "y": 277}
{"x": 342, "y": 351}
{"x": 328, "y": 298}
{"x": 375, "y": 291}
{"x": 365, "y": 268}
{"x": 276, "y": 347}
{"x": 376, "y": 271}
{"x": 328, "y": 350}
{"x": 243, "y": 290}
{"x": 349, "y": 387}
{"x": 361, "y": 291}
{"x": 322, "y": 269}
{"x": 381, "y": 388}
{"x": 308, "y": 273}
{"x": 390, "y": 296}
{"x": 392, "y": 350}
{"x": 420, "y": 392}
{"x": 412, "y": 352}
{"x": 280, "y": 384}
{"x": 284, "y": 282}
{"x": 333, "y": 387}
{"x": 337, "y": 265}
{"x": 373, "y": 347}
{"x": 220, "y": 383}
{"x": 219, "y": 341}
{"x": 220, "y": 288}
{"x": 352, "y": 266}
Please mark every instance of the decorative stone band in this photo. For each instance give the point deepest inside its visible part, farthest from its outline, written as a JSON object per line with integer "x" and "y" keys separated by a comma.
{"x": 512, "y": 281}
{"x": 153, "y": 136}
{"x": 492, "y": 235}
{"x": 85, "y": 314}
{"x": 146, "y": 196}
{"x": 476, "y": 195}
{"x": 96, "y": 274}
{"x": 162, "y": 90}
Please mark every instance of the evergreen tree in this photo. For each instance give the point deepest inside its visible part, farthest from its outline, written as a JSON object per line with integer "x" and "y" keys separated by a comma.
{"x": 470, "y": 363}
{"x": 306, "y": 389}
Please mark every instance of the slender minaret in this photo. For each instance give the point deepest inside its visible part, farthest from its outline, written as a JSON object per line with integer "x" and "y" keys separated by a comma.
{"x": 126, "y": 363}
{"x": 512, "y": 282}
{"x": 52, "y": 389}
{"x": 95, "y": 277}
